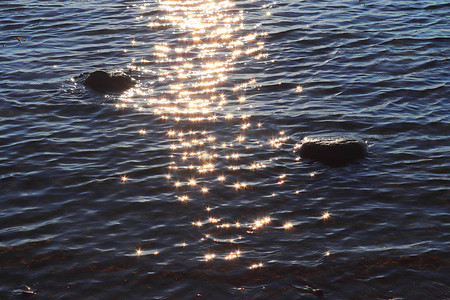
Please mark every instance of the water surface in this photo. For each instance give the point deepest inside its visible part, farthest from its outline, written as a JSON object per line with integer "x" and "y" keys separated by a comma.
{"x": 191, "y": 184}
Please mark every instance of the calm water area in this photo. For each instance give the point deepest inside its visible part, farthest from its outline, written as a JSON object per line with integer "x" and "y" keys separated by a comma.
{"x": 190, "y": 184}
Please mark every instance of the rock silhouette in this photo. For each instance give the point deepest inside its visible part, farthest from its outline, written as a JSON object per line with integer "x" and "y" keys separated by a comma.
{"x": 109, "y": 82}
{"x": 333, "y": 151}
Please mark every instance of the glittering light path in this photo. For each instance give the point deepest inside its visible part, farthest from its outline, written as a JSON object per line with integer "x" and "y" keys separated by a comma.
{"x": 214, "y": 140}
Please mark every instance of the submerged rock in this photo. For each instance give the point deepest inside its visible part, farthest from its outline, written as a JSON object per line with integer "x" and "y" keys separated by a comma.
{"x": 109, "y": 82}
{"x": 333, "y": 151}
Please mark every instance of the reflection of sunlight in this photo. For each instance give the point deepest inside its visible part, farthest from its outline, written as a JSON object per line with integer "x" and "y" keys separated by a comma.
{"x": 233, "y": 255}
{"x": 194, "y": 82}
{"x": 299, "y": 89}
{"x": 142, "y": 132}
{"x": 239, "y": 185}
{"x": 183, "y": 198}
{"x": 197, "y": 223}
{"x": 209, "y": 256}
{"x": 261, "y": 222}
{"x": 256, "y": 266}
{"x": 288, "y": 225}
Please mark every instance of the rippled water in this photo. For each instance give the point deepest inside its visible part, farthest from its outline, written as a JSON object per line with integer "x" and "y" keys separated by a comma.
{"x": 190, "y": 185}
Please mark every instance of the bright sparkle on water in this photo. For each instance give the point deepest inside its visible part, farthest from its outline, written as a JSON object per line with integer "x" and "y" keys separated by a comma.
{"x": 256, "y": 266}
{"x": 193, "y": 71}
{"x": 288, "y": 225}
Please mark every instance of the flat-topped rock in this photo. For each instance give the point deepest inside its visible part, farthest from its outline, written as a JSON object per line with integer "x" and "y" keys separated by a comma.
{"x": 333, "y": 151}
{"x": 109, "y": 82}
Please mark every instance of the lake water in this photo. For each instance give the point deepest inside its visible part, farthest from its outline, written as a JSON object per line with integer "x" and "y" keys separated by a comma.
{"x": 190, "y": 184}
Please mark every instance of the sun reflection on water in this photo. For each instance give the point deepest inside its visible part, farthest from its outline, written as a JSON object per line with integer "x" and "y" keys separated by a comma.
{"x": 210, "y": 133}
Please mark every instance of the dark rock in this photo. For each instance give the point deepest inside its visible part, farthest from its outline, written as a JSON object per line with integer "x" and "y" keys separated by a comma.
{"x": 109, "y": 82}
{"x": 333, "y": 151}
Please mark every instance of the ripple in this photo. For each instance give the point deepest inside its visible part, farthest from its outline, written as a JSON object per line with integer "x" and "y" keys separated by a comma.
{"x": 190, "y": 184}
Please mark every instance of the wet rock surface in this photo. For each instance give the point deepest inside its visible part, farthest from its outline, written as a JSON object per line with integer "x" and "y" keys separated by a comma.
{"x": 333, "y": 151}
{"x": 109, "y": 82}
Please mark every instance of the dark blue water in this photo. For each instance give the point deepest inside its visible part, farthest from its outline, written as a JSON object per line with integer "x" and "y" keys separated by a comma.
{"x": 190, "y": 184}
